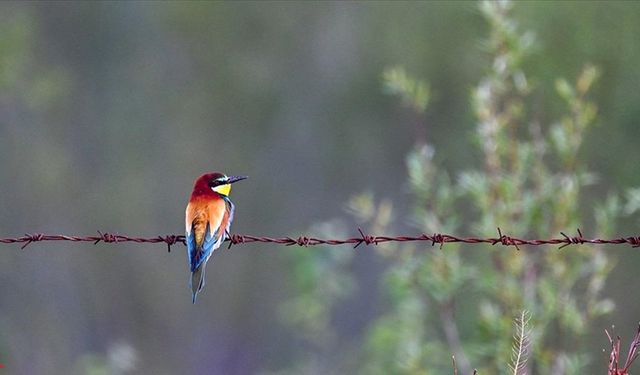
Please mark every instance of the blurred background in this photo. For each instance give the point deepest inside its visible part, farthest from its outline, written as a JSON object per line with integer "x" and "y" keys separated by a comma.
{"x": 110, "y": 110}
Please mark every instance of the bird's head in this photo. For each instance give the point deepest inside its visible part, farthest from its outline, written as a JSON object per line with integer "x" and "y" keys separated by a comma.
{"x": 216, "y": 182}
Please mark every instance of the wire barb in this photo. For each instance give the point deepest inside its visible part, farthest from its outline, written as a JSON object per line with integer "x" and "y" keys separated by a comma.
{"x": 506, "y": 240}
{"x": 634, "y": 241}
{"x": 366, "y": 239}
{"x": 572, "y": 240}
{"x": 29, "y": 238}
{"x": 437, "y": 238}
{"x": 170, "y": 240}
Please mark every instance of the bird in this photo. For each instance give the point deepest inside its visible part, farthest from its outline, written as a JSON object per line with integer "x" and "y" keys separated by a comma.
{"x": 208, "y": 220}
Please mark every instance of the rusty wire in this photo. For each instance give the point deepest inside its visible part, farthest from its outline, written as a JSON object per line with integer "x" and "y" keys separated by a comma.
{"x": 363, "y": 238}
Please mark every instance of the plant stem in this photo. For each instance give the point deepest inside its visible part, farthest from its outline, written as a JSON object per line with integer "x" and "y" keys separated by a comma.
{"x": 453, "y": 336}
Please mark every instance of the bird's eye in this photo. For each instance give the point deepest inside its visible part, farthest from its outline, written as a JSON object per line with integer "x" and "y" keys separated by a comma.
{"x": 218, "y": 181}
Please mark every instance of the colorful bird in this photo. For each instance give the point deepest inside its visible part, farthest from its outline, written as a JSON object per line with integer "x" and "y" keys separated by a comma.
{"x": 207, "y": 220}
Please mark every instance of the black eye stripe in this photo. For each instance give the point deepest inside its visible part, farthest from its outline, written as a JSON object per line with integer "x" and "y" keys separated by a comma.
{"x": 218, "y": 181}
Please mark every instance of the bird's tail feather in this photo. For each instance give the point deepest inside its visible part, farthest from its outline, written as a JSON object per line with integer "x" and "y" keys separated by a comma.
{"x": 197, "y": 281}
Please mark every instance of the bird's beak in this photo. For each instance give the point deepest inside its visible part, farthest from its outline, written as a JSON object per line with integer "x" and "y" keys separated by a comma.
{"x": 232, "y": 179}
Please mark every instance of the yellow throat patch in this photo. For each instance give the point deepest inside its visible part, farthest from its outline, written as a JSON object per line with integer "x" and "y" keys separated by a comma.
{"x": 223, "y": 189}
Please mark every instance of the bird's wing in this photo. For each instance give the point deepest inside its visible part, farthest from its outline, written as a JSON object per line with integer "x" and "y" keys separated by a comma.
{"x": 203, "y": 221}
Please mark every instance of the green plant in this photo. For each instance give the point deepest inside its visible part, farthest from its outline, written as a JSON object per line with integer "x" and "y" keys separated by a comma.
{"x": 452, "y": 301}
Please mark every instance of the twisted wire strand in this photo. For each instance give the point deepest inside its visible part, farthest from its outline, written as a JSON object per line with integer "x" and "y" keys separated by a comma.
{"x": 363, "y": 239}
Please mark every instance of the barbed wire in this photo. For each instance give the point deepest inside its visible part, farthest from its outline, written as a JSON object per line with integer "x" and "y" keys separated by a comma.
{"x": 363, "y": 238}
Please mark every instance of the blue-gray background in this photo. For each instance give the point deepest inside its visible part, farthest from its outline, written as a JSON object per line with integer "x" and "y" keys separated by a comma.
{"x": 108, "y": 111}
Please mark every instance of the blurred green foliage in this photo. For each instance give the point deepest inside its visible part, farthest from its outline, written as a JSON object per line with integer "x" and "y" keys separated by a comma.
{"x": 413, "y": 93}
{"x": 454, "y": 301}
